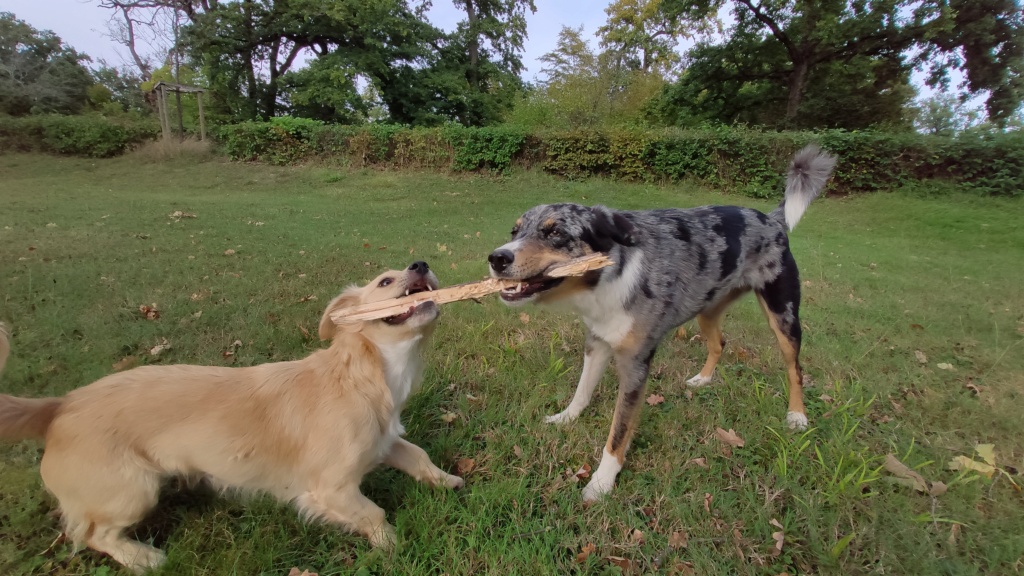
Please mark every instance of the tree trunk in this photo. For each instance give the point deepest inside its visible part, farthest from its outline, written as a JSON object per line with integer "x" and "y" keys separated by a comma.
{"x": 474, "y": 45}
{"x": 797, "y": 82}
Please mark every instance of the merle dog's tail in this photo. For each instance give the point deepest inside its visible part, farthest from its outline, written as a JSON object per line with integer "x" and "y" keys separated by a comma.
{"x": 808, "y": 173}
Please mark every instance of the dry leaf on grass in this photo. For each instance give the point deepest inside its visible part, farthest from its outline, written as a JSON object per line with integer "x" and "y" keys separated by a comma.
{"x": 619, "y": 561}
{"x": 583, "y": 472}
{"x": 149, "y": 312}
{"x": 944, "y": 366}
{"x": 524, "y": 317}
{"x": 679, "y": 539}
{"x": 702, "y": 462}
{"x": 779, "y": 537}
{"x": 517, "y": 451}
{"x": 449, "y": 417}
{"x": 585, "y": 552}
{"x": 163, "y": 345}
{"x": 295, "y": 572}
{"x": 965, "y": 463}
{"x": 307, "y": 298}
{"x": 636, "y": 537}
{"x": 707, "y": 502}
{"x": 904, "y": 474}
{"x": 465, "y": 466}
{"x": 729, "y": 437}
{"x": 125, "y": 363}
{"x": 954, "y": 534}
{"x": 229, "y": 252}
{"x": 682, "y": 569}
{"x": 655, "y": 399}
{"x": 920, "y": 357}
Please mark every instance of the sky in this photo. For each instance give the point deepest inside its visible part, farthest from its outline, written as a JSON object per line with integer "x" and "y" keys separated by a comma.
{"x": 83, "y": 24}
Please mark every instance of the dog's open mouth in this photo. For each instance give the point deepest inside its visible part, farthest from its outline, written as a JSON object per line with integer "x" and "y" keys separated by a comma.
{"x": 529, "y": 287}
{"x": 422, "y": 285}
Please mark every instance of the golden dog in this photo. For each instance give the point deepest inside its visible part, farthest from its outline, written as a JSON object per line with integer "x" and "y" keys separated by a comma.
{"x": 305, "y": 431}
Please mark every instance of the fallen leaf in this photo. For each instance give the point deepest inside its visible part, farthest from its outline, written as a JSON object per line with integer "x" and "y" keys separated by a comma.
{"x": 524, "y": 317}
{"x": 51, "y": 225}
{"x": 307, "y": 298}
{"x": 954, "y": 534}
{"x": 442, "y": 247}
{"x": 465, "y": 466}
{"x": 449, "y": 417}
{"x": 583, "y": 472}
{"x": 921, "y": 357}
{"x": 149, "y": 312}
{"x": 682, "y": 569}
{"x": 679, "y": 539}
{"x": 454, "y": 266}
{"x": 826, "y": 398}
{"x": 198, "y": 314}
{"x": 917, "y": 327}
{"x": 636, "y": 537}
{"x": 164, "y": 345}
{"x": 904, "y": 474}
{"x": 655, "y": 399}
{"x": 707, "y": 502}
{"x": 125, "y": 363}
{"x": 937, "y": 489}
{"x": 303, "y": 329}
{"x": 619, "y": 561}
{"x": 729, "y": 437}
{"x": 366, "y": 245}
{"x": 295, "y": 572}
{"x": 965, "y": 463}
{"x": 229, "y": 252}
{"x": 779, "y": 537}
{"x": 944, "y": 366}
{"x": 585, "y": 552}
{"x": 702, "y": 462}
{"x": 987, "y": 453}
{"x": 517, "y": 451}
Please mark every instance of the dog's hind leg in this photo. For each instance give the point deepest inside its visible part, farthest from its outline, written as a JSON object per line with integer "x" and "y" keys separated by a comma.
{"x": 99, "y": 498}
{"x": 595, "y": 360}
{"x": 710, "y": 322}
{"x": 780, "y": 301}
{"x": 415, "y": 462}
{"x": 632, "y": 365}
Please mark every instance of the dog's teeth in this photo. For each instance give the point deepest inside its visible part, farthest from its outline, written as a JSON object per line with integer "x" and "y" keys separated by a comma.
{"x": 429, "y": 288}
{"x": 406, "y": 291}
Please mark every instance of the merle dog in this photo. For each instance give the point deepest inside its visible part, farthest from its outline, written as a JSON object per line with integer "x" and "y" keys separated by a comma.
{"x": 670, "y": 265}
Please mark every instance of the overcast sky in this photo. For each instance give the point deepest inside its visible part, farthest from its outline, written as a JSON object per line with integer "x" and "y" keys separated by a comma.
{"x": 83, "y": 25}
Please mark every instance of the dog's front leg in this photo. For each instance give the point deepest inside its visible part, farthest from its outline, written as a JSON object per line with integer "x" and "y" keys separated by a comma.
{"x": 415, "y": 462}
{"x": 595, "y": 359}
{"x": 632, "y": 366}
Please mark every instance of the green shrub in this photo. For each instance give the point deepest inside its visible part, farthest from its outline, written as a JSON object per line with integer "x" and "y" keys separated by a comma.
{"x": 747, "y": 160}
{"x": 88, "y": 135}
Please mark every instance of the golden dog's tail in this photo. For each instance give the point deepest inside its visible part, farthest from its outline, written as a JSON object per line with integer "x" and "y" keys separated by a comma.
{"x": 23, "y": 418}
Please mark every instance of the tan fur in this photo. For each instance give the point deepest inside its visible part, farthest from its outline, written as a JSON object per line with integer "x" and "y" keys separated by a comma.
{"x": 306, "y": 431}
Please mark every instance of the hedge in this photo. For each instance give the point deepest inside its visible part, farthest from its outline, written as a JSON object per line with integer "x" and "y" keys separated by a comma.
{"x": 88, "y": 135}
{"x": 748, "y": 160}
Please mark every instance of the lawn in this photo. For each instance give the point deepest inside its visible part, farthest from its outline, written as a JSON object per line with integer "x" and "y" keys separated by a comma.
{"x": 913, "y": 325}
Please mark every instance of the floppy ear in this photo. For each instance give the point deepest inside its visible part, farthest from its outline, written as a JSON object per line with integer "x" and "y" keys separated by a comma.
{"x": 612, "y": 225}
{"x": 350, "y": 297}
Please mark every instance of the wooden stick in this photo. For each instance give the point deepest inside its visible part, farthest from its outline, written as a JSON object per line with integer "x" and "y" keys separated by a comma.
{"x": 395, "y": 306}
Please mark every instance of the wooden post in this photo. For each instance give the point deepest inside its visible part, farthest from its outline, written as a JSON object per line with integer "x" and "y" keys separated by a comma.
{"x": 202, "y": 117}
{"x": 165, "y": 123}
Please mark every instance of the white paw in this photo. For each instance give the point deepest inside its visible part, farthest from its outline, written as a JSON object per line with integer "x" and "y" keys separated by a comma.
{"x": 596, "y": 490}
{"x": 454, "y": 482}
{"x": 384, "y": 537}
{"x": 146, "y": 558}
{"x": 698, "y": 381}
{"x": 796, "y": 421}
{"x": 563, "y": 417}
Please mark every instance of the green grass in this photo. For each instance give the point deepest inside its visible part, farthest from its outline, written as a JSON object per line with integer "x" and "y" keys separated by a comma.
{"x": 84, "y": 243}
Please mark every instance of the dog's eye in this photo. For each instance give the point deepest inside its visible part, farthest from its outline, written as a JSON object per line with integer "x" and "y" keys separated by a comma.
{"x": 385, "y": 282}
{"x": 554, "y": 233}
{"x": 515, "y": 231}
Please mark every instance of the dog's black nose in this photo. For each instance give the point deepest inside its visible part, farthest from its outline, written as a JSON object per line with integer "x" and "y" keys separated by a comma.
{"x": 500, "y": 259}
{"x": 419, "y": 266}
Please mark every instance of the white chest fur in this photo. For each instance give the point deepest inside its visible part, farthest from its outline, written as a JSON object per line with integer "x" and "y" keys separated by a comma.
{"x": 603, "y": 308}
{"x": 403, "y": 372}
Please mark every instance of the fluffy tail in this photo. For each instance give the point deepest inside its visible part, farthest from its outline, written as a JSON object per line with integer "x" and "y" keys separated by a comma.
{"x": 808, "y": 173}
{"x": 23, "y": 418}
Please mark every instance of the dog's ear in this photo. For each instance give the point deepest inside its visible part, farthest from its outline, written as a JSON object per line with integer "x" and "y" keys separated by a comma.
{"x": 350, "y": 297}
{"x": 612, "y": 225}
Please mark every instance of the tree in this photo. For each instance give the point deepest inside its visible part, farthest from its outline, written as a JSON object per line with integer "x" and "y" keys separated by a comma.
{"x": 643, "y": 36}
{"x": 502, "y": 24}
{"x": 38, "y": 72}
{"x": 945, "y": 115}
{"x": 786, "y": 43}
